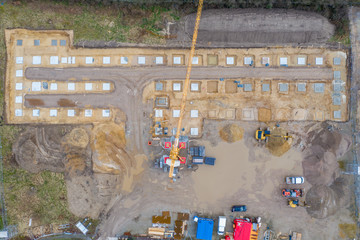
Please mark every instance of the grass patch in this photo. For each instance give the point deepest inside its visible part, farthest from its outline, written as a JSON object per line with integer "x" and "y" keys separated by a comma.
{"x": 342, "y": 164}
{"x": 40, "y": 196}
{"x": 342, "y": 33}
{"x": 347, "y": 230}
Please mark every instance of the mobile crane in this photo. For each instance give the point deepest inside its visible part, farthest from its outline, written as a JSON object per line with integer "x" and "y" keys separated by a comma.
{"x": 174, "y": 152}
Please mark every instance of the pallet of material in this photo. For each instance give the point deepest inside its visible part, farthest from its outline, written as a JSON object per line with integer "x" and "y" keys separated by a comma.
{"x": 156, "y": 231}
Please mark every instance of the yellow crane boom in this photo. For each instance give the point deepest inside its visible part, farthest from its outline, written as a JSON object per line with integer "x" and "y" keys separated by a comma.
{"x": 174, "y": 153}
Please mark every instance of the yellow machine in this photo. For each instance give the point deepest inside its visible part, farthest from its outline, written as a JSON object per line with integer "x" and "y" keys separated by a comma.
{"x": 262, "y": 135}
{"x": 174, "y": 153}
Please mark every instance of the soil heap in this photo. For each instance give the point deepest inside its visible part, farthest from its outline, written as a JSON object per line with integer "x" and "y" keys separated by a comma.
{"x": 320, "y": 166}
{"x": 231, "y": 133}
{"x": 277, "y": 144}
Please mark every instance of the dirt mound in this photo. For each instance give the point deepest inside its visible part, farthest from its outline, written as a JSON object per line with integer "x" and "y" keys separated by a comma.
{"x": 78, "y": 137}
{"x": 75, "y": 165}
{"x": 320, "y": 164}
{"x": 277, "y": 144}
{"x": 329, "y": 140}
{"x": 231, "y": 133}
{"x": 39, "y": 149}
{"x": 254, "y": 27}
{"x": 320, "y": 167}
{"x": 322, "y": 201}
{"x": 108, "y": 145}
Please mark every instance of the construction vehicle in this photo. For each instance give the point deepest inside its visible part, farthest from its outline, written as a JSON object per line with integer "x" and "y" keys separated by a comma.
{"x": 292, "y": 192}
{"x": 174, "y": 153}
{"x": 294, "y": 203}
{"x": 263, "y": 135}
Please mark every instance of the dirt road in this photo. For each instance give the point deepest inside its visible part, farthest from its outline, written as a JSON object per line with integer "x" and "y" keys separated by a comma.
{"x": 129, "y": 84}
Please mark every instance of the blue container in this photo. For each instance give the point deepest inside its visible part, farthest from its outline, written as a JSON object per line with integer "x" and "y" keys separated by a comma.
{"x": 209, "y": 161}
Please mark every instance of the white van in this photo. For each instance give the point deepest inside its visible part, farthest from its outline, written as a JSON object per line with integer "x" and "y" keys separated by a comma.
{"x": 222, "y": 224}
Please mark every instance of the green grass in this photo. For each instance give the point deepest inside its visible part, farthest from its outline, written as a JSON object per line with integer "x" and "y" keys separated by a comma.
{"x": 41, "y": 197}
{"x": 342, "y": 33}
{"x": 342, "y": 164}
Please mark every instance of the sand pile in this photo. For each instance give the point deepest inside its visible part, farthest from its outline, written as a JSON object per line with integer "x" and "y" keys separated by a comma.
{"x": 108, "y": 145}
{"x": 277, "y": 144}
{"x": 231, "y": 133}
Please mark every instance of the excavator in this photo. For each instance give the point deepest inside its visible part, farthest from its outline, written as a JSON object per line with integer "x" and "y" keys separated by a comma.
{"x": 263, "y": 135}
{"x": 174, "y": 152}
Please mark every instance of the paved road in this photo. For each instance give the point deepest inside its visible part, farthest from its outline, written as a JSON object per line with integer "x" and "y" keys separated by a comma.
{"x": 354, "y": 16}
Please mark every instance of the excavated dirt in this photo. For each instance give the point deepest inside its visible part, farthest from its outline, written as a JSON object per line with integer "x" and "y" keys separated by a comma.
{"x": 63, "y": 102}
{"x": 94, "y": 173}
{"x": 39, "y": 149}
{"x": 231, "y": 133}
{"x": 35, "y": 102}
{"x": 75, "y": 164}
{"x": 320, "y": 158}
{"x": 322, "y": 201}
{"x": 108, "y": 145}
{"x": 277, "y": 144}
{"x": 320, "y": 166}
{"x": 78, "y": 137}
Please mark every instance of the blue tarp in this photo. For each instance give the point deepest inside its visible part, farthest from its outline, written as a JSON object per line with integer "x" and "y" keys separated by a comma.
{"x": 205, "y": 228}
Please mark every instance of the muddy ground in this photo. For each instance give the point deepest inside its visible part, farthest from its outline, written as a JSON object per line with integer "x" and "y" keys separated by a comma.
{"x": 245, "y": 173}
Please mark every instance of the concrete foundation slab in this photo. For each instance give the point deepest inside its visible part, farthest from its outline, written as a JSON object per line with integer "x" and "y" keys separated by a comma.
{"x": 18, "y": 99}
{"x": 36, "y": 86}
{"x": 248, "y": 87}
{"x": 319, "y": 87}
{"x": 337, "y": 114}
{"x": 53, "y": 86}
{"x": 283, "y": 87}
{"x": 106, "y": 113}
{"x": 301, "y": 87}
{"x": 36, "y": 113}
{"x": 337, "y": 61}
{"x": 53, "y": 112}
{"x": 106, "y": 60}
{"x": 319, "y": 61}
{"x": 265, "y": 87}
{"x": 88, "y": 112}
{"x": 88, "y": 86}
{"x": 71, "y": 113}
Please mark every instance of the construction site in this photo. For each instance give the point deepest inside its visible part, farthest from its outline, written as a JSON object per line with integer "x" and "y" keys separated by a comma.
{"x": 214, "y": 135}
